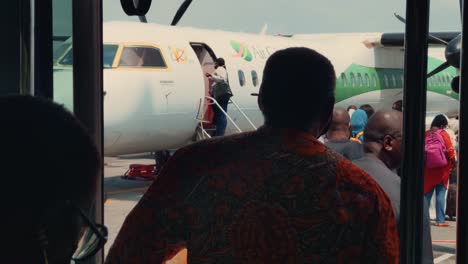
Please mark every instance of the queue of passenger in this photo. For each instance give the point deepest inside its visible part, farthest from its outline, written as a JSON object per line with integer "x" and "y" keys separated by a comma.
{"x": 275, "y": 195}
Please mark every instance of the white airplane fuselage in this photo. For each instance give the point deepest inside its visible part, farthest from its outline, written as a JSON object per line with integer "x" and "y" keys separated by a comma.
{"x": 149, "y": 108}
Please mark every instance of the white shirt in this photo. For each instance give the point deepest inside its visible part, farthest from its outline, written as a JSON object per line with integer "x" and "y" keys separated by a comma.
{"x": 219, "y": 75}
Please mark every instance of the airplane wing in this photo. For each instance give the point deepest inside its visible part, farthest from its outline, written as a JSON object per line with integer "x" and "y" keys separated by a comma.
{"x": 398, "y": 39}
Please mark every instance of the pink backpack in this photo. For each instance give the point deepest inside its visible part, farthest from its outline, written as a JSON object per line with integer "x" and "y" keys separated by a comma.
{"x": 435, "y": 150}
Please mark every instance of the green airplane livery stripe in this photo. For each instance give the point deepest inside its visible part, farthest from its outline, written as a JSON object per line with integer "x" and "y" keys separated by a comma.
{"x": 358, "y": 79}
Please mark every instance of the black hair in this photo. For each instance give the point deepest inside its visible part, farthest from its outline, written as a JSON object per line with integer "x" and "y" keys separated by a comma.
{"x": 368, "y": 109}
{"x": 439, "y": 121}
{"x": 47, "y": 152}
{"x": 297, "y": 87}
{"x": 220, "y": 62}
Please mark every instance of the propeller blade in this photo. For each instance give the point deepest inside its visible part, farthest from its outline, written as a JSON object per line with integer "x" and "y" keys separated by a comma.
{"x": 180, "y": 12}
{"x": 143, "y": 19}
{"x": 441, "y": 67}
{"x": 440, "y": 41}
{"x": 461, "y": 10}
{"x": 400, "y": 18}
{"x": 433, "y": 38}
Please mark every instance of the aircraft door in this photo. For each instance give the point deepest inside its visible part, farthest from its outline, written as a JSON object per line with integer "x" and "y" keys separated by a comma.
{"x": 206, "y": 57}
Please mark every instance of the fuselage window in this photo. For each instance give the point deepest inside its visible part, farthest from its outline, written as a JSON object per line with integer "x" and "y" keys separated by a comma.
{"x": 254, "y": 78}
{"x": 108, "y": 55}
{"x": 386, "y": 80}
{"x": 241, "y": 77}
{"x": 359, "y": 77}
{"x": 142, "y": 56}
{"x": 366, "y": 77}
{"x": 447, "y": 77}
{"x": 374, "y": 79}
{"x": 343, "y": 79}
{"x": 353, "y": 81}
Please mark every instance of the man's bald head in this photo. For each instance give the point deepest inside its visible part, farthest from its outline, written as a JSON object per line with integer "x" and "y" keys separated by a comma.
{"x": 383, "y": 135}
{"x": 382, "y": 123}
{"x": 339, "y": 123}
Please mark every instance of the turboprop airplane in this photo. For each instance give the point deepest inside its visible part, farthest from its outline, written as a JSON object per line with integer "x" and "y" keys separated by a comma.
{"x": 155, "y": 86}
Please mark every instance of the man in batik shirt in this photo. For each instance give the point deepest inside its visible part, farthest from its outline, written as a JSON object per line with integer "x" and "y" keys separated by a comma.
{"x": 275, "y": 195}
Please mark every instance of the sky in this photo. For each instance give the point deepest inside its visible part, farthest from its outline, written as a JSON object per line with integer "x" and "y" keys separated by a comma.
{"x": 293, "y": 16}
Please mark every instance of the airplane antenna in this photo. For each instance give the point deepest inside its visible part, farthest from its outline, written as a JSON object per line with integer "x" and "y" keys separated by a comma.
{"x": 264, "y": 30}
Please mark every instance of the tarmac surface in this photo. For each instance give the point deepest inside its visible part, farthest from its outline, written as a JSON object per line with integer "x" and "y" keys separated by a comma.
{"x": 122, "y": 195}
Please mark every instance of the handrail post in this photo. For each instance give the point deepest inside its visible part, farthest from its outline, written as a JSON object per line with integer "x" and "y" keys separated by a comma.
{"x": 416, "y": 46}
{"x": 225, "y": 113}
{"x": 242, "y": 113}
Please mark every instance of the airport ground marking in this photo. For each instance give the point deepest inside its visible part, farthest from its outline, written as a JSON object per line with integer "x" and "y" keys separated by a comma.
{"x": 442, "y": 258}
{"x": 127, "y": 190}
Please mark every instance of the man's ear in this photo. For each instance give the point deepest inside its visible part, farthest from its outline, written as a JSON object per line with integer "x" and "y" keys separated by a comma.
{"x": 387, "y": 143}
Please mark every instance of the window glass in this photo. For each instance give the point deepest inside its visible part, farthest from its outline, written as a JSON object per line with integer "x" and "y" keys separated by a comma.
{"x": 61, "y": 50}
{"x": 137, "y": 56}
{"x": 386, "y": 80}
{"x": 394, "y": 81}
{"x": 108, "y": 54}
{"x": 359, "y": 76}
{"x": 68, "y": 58}
{"x": 374, "y": 79}
{"x": 254, "y": 78}
{"x": 353, "y": 81}
{"x": 343, "y": 79}
{"x": 366, "y": 77}
{"x": 241, "y": 77}
{"x": 439, "y": 81}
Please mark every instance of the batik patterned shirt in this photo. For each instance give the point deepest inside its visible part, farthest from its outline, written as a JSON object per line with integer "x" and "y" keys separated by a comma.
{"x": 270, "y": 196}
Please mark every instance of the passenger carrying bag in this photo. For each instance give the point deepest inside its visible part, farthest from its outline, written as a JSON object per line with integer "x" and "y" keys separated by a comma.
{"x": 222, "y": 91}
{"x": 436, "y": 152}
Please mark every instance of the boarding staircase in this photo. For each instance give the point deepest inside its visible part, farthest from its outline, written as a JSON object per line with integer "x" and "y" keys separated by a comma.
{"x": 204, "y": 133}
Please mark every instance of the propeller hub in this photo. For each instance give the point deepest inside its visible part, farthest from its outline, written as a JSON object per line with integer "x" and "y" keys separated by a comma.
{"x": 452, "y": 52}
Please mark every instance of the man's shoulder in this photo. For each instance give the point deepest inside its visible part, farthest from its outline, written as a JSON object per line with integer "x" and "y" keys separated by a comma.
{"x": 215, "y": 146}
{"x": 350, "y": 174}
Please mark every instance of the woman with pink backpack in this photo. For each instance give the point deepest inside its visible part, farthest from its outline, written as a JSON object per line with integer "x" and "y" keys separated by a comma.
{"x": 440, "y": 159}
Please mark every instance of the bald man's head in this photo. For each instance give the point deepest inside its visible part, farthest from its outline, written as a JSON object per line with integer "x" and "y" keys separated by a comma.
{"x": 339, "y": 124}
{"x": 385, "y": 122}
{"x": 383, "y": 136}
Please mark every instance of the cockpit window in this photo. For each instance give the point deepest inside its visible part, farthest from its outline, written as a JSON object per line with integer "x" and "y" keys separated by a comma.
{"x": 108, "y": 55}
{"x": 60, "y": 50}
{"x": 138, "y": 56}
